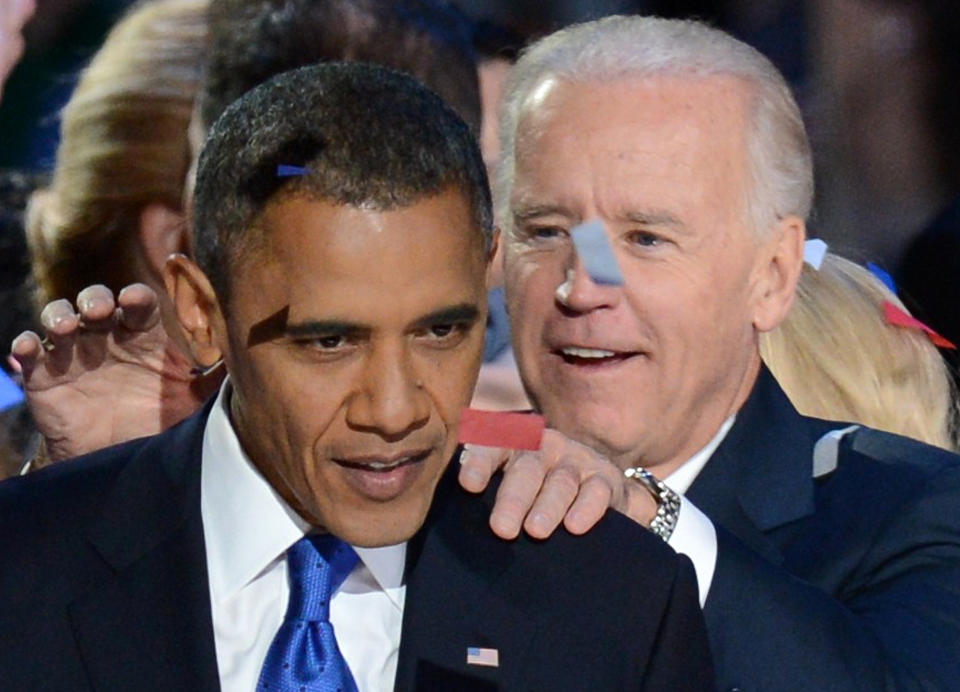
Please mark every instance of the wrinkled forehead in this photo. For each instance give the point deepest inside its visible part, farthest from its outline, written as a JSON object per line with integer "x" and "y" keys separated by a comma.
{"x": 717, "y": 106}
{"x": 682, "y": 136}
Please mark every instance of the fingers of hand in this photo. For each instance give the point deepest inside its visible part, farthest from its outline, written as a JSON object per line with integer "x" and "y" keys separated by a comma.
{"x": 601, "y": 483}
{"x": 592, "y": 502}
{"x": 139, "y": 307}
{"x": 59, "y": 320}
{"x": 96, "y": 306}
{"x": 560, "y": 489}
{"x": 78, "y": 338}
{"x": 478, "y": 464}
{"x": 517, "y": 493}
{"x": 27, "y": 350}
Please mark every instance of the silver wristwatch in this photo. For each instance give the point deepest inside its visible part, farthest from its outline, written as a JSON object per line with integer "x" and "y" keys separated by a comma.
{"x": 668, "y": 502}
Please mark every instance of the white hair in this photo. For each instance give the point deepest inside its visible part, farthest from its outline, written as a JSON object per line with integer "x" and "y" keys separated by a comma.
{"x": 632, "y": 47}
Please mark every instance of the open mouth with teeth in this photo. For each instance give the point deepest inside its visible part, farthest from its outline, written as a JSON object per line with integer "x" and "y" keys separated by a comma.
{"x": 383, "y": 478}
{"x": 577, "y": 355}
{"x": 384, "y": 465}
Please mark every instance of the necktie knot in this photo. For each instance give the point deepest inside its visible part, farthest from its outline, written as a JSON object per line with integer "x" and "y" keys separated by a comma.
{"x": 317, "y": 567}
{"x": 304, "y": 656}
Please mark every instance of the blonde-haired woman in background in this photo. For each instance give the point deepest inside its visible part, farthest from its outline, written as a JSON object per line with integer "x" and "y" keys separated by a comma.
{"x": 838, "y": 358}
{"x": 112, "y": 215}
{"x": 113, "y": 212}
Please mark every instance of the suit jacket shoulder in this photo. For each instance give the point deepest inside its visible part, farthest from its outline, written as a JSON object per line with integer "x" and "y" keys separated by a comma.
{"x": 838, "y": 556}
{"x": 103, "y": 571}
{"x": 615, "y": 609}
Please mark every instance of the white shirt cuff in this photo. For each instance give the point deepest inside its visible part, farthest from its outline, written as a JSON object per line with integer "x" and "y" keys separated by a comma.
{"x": 695, "y": 537}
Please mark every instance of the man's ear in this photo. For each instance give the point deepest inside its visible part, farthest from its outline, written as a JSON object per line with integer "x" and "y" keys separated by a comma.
{"x": 780, "y": 264}
{"x": 162, "y": 232}
{"x": 197, "y": 308}
{"x": 495, "y": 261}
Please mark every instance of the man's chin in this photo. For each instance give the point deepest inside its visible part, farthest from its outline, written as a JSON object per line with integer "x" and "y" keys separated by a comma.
{"x": 379, "y": 529}
{"x": 599, "y": 427}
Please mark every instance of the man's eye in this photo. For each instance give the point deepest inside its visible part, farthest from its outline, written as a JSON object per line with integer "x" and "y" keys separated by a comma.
{"x": 547, "y": 232}
{"x": 327, "y": 342}
{"x": 444, "y": 334}
{"x": 644, "y": 239}
{"x": 446, "y": 331}
{"x": 534, "y": 232}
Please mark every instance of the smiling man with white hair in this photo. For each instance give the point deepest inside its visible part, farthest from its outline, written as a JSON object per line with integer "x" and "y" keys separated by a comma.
{"x": 828, "y": 557}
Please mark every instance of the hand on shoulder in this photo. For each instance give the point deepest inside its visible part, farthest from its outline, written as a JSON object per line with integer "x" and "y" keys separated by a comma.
{"x": 562, "y": 482}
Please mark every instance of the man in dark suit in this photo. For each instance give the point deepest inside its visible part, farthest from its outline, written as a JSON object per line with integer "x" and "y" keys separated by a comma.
{"x": 828, "y": 557}
{"x": 301, "y": 531}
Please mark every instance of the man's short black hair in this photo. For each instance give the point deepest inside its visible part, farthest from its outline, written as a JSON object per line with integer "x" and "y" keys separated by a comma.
{"x": 253, "y": 40}
{"x": 367, "y": 135}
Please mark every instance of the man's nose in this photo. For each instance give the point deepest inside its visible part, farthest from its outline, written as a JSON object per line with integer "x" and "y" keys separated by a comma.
{"x": 580, "y": 293}
{"x": 391, "y": 399}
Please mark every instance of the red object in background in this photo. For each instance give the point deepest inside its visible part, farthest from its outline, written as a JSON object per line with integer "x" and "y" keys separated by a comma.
{"x": 899, "y": 318}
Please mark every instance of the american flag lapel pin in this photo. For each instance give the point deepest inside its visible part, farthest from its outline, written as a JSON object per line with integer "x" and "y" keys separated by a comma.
{"x": 477, "y": 656}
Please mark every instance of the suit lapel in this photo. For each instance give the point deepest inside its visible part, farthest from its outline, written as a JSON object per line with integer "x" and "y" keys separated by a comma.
{"x": 148, "y": 626}
{"x": 457, "y": 598}
{"x": 760, "y": 477}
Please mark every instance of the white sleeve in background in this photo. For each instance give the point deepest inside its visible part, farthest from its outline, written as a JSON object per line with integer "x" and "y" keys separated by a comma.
{"x": 695, "y": 537}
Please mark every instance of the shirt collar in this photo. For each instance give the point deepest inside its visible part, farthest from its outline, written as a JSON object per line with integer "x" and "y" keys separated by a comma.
{"x": 680, "y": 480}
{"x": 247, "y": 526}
{"x": 386, "y": 564}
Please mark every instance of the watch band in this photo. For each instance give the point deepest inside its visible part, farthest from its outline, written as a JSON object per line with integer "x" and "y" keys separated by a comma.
{"x": 668, "y": 502}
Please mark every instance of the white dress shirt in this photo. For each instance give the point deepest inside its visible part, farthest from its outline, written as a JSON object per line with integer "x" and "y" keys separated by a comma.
{"x": 694, "y": 534}
{"x": 247, "y": 528}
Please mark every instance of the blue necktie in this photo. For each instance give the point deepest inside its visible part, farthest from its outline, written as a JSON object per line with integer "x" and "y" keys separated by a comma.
{"x": 304, "y": 656}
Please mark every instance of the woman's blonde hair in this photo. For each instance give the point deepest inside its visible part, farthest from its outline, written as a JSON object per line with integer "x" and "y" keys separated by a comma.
{"x": 837, "y": 358}
{"x": 123, "y": 146}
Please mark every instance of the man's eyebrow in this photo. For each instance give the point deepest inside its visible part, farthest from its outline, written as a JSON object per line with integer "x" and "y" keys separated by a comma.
{"x": 649, "y": 217}
{"x": 652, "y": 217}
{"x": 462, "y": 312}
{"x": 526, "y": 212}
{"x": 309, "y": 328}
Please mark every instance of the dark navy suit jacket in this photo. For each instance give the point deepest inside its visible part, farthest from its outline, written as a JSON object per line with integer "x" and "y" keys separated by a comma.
{"x": 847, "y": 581}
{"x": 104, "y": 585}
